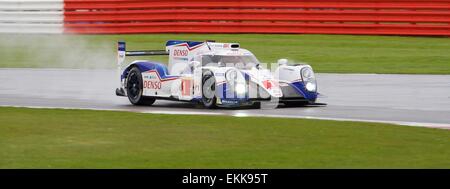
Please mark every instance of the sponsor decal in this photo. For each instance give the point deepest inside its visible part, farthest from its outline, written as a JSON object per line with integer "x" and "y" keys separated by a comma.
{"x": 235, "y": 52}
{"x": 178, "y": 52}
{"x": 224, "y": 101}
{"x": 152, "y": 84}
{"x": 150, "y": 77}
{"x": 155, "y": 75}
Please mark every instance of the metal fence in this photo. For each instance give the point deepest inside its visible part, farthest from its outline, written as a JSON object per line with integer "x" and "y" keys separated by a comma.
{"x": 395, "y": 17}
{"x": 31, "y": 16}
{"x": 377, "y": 17}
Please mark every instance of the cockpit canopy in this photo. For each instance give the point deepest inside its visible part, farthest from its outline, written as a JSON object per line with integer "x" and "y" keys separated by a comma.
{"x": 237, "y": 61}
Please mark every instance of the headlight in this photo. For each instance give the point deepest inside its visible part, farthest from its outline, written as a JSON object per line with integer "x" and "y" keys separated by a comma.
{"x": 309, "y": 79}
{"x": 240, "y": 89}
{"x": 310, "y": 86}
{"x": 307, "y": 73}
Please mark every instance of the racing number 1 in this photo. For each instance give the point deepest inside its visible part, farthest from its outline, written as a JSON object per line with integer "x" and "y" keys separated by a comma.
{"x": 186, "y": 87}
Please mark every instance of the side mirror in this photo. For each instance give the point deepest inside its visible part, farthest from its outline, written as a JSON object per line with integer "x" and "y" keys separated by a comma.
{"x": 282, "y": 62}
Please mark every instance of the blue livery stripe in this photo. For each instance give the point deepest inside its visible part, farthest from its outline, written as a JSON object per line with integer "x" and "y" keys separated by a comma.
{"x": 300, "y": 88}
{"x": 146, "y": 66}
{"x": 189, "y": 43}
{"x": 121, "y": 46}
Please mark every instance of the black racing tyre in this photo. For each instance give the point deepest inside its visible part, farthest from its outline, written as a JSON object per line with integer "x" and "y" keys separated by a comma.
{"x": 134, "y": 88}
{"x": 256, "y": 105}
{"x": 209, "y": 90}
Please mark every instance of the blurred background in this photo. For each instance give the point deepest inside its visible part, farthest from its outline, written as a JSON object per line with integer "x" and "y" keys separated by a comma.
{"x": 29, "y": 31}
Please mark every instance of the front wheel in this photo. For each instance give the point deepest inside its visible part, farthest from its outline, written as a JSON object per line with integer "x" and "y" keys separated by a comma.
{"x": 134, "y": 88}
{"x": 209, "y": 90}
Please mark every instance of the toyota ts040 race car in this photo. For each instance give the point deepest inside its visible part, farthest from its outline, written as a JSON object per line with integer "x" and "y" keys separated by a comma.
{"x": 213, "y": 74}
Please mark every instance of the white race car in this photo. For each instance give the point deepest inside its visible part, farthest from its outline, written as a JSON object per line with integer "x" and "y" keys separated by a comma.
{"x": 213, "y": 74}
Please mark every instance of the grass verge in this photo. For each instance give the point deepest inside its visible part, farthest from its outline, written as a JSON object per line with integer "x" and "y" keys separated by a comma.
{"x": 55, "y": 138}
{"x": 326, "y": 53}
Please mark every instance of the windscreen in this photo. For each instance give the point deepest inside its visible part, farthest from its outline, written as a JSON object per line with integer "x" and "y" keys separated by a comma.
{"x": 240, "y": 62}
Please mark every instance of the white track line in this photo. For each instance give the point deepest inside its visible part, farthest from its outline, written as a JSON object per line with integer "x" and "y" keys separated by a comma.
{"x": 404, "y": 123}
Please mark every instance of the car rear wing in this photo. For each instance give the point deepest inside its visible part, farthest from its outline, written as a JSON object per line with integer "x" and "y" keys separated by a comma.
{"x": 146, "y": 53}
{"x": 122, "y": 53}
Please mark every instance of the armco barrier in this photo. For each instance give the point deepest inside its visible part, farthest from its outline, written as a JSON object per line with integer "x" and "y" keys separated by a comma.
{"x": 395, "y": 17}
{"x": 241, "y": 4}
{"x": 31, "y": 16}
{"x": 379, "y": 17}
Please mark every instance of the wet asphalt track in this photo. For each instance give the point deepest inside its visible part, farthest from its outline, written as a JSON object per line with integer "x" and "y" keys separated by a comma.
{"x": 421, "y": 100}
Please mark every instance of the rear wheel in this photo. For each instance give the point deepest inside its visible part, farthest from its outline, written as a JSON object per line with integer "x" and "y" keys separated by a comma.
{"x": 134, "y": 88}
{"x": 209, "y": 90}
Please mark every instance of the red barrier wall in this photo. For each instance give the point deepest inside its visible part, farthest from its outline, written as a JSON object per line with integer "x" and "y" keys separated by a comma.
{"x": 378, "y": 17}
